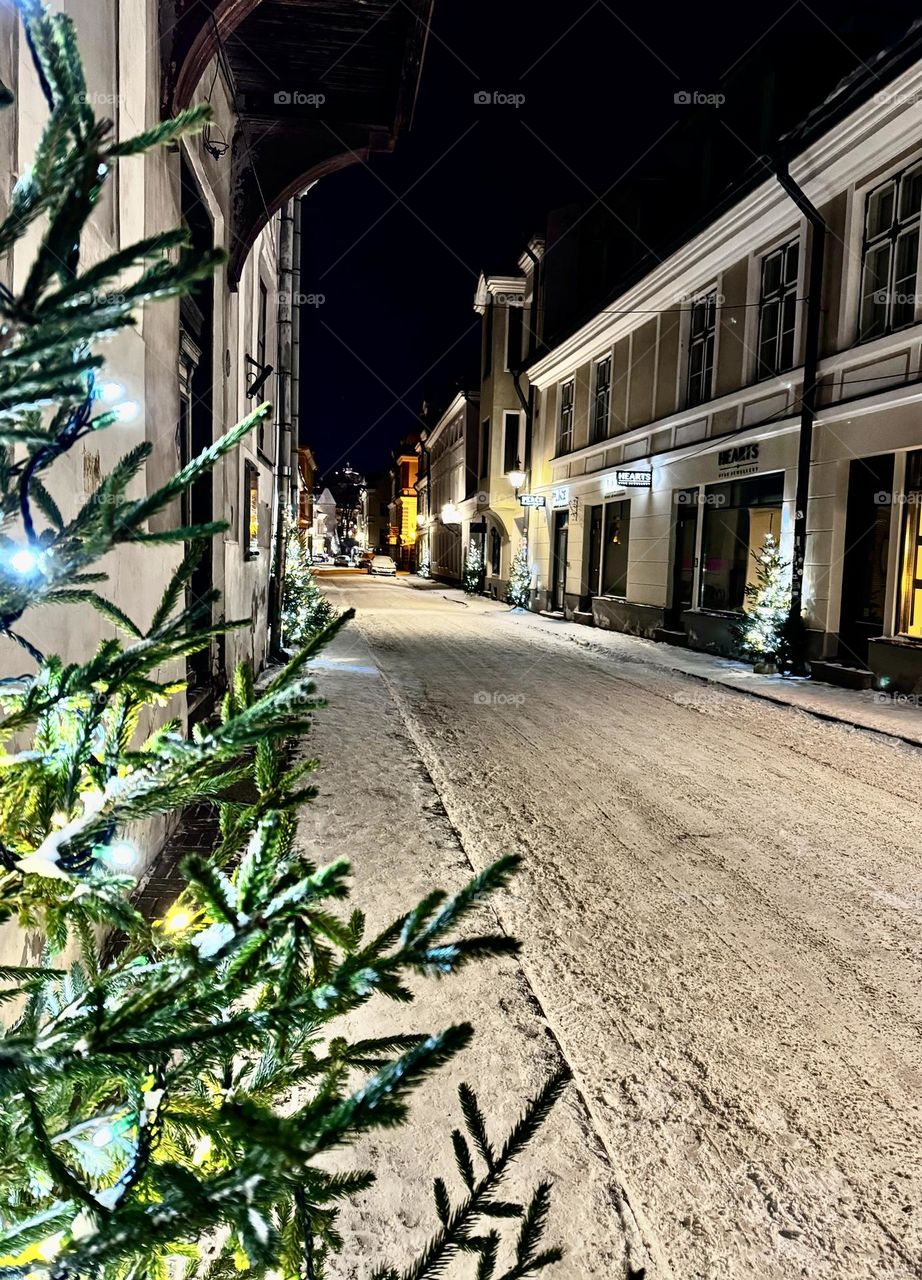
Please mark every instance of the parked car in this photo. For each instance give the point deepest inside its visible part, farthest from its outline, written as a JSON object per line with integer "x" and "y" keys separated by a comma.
{"x": 383, "y": 565}
{"x": 341, "y": 561}
{"x": 320, "y": 558}
{"x": 365, "y": 560}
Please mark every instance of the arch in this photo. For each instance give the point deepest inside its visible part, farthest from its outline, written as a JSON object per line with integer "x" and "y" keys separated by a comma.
{"x": 197, "y": 36}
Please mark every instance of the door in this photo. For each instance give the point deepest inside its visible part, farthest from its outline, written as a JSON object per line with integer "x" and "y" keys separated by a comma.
{"x": 559, "y": 576}
{"x": 864, "y": 567}
{"x": 594, "y": 569}
{"x": 616, "y": 547}
{"x": 683, "y": 563}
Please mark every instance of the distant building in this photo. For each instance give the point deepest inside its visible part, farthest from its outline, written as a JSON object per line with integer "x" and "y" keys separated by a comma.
{"x": 403, "y": 506}
{"x": 447, "y": 476}
{"x": 307, "y": 471}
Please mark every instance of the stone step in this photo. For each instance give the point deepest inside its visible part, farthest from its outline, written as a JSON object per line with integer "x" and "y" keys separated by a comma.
{"x": 844, "y": 676}
{"x": 584, "y": 619}
{"x": 664, "y": 636}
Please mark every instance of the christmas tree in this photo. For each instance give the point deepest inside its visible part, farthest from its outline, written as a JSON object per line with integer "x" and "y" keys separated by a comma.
{"x": 167, "y": 1101}
{"x": 305, "y": 609}
{"x": 472, "y": 577}
{"x": 518, "y": 591}
{"x": 761, "y": 632}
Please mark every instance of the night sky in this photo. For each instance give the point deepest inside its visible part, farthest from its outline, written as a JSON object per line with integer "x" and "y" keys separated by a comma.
{"x": 396, "y": 246}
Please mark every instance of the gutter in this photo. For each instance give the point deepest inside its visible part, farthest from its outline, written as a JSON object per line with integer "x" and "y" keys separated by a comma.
{"x": 809, "y": 393}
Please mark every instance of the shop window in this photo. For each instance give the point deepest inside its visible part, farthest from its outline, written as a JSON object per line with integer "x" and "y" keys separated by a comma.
{"x": 737, "y": 516}
{"x": 702, "y": 334}
{"x": 890, "y": 254}
{"x": 565, "y": 428}
{"x": 911, "y": 590}
{"x": 250, "y": 512}
{"x": 495, "y": 552}
{"x": 615, "y": 557}
{"x": 778, "y": 310}
{"x": 601, "y": 399}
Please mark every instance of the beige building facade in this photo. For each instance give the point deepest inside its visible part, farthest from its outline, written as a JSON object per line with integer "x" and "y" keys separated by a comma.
{"x": 667, "y": 427}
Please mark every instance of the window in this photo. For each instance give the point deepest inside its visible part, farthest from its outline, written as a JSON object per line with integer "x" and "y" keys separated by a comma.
{"x": 737, "y": 516}
{"x": 262, "y": 325}
{"x": 701, "y": 348}
{"x": 488, "y": 339}
{"x": 513, "y": 336}
{"x": 911, "y": 592}
{"x": 250, "y": 512}
{"x": 778, "y": 309}
{"x": 495, "y": 552}
{"x": 565, "y": 428}
{"x": 889, "y": 260}
{"x": 601, "y": 399}
{"x": 510, "y": 442}
{"x": 485, "y": 447}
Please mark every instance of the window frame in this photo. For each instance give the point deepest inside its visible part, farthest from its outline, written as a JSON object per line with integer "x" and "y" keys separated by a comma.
{"x": 898, "y": 227}
{"x": 565, "y": 433}
{"x": 786, "y": 289}
{"x": 250, "y": 511}
{"x": 598, "y": 429}
{"x": 516, "y": 451}
{"x": 695, "y": 342}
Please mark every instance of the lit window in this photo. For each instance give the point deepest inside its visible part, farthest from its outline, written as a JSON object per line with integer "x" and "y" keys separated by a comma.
{"x": 250, "y": 512}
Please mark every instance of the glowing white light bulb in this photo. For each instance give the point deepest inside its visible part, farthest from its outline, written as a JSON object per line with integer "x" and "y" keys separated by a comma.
{"x": 103, "y": 1136}
{"x": 111, "y": 392}
{"x": 24, "y": 560}
{"x": 177, "y": 920}
{"x": 127, "y": 411}
{"x": 121, "y": 854}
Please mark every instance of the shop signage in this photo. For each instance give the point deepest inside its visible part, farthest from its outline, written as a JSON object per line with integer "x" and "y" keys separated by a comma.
{"x": 740, "y": 460}
{"x": 532, "y": 499}
{"x": 634, "y": 479}
{"x": 560, "y": 497}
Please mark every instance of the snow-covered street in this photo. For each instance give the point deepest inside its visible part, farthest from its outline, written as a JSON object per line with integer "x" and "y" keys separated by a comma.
{"x": 720, "y": 907}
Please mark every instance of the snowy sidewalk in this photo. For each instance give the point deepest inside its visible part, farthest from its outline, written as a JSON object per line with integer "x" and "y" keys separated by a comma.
{"x": 896, "y": 715}
{"x": 378, "y": 807}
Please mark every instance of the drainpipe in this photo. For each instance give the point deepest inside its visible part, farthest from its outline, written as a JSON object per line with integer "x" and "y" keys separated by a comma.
{"x": 809, "y": 394}
{"x": 295, "y": 357}
{"x": 283, "y": 479}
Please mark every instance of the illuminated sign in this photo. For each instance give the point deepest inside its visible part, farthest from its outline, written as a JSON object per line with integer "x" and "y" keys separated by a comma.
{"x": 634, "y": 479}
{"x": 560, "y": 497}
{"x": 532, "y": 499}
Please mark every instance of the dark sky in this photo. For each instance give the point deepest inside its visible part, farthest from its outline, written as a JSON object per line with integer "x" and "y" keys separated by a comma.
{"x": 396, "y": 246}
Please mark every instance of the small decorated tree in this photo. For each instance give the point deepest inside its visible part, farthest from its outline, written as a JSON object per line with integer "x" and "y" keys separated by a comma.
{"x": 761, "y": 632}
{"x": 518, "y": 591}
{"x": 305, "y": 609}
{"x": 473, "y": 570}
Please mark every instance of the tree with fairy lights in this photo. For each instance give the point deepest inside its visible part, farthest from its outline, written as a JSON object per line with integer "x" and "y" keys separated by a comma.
{"x": 472, "y": 574}
{"x": 518, "y": 590}
{"x": 762, "y": 629}
{"x": 168, "y": 1098}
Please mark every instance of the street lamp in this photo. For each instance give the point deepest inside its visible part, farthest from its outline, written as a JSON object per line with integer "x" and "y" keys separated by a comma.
{"x": 516, "y": 476}
{"x": 450, "y": 514}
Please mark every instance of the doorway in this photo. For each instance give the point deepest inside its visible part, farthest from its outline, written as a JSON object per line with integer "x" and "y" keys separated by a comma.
{"x": 864, "y": 566}
{"x": 617, "y": 543}
{"x": 683, "y": 562}
{"x": 594, "y": 568}
{"x": 559, "y": 567}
